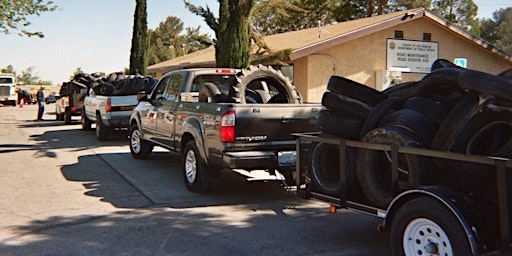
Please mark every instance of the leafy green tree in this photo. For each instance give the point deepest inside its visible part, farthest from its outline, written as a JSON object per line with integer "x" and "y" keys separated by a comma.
{"x": 498, "y": 30}
{"x": 231, "y": 28}
{"x": 459, "y": 12}
{"x": 8, "y": 70}
{"x": 138, "y": 53}
{"x": 169, "y": 41}
{"x": 14, "y": 15}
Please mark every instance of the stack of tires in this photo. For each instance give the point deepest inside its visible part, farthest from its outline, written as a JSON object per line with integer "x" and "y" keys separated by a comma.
{"x": 451, "y": 109}
{"x": 113, "y": 84}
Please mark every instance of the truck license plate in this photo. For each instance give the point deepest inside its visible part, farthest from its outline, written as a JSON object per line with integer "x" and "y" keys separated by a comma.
{"x": 286, "y": 157}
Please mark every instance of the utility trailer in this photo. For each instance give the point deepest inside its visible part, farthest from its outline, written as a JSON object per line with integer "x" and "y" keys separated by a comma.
{"x": 436, "y": 218}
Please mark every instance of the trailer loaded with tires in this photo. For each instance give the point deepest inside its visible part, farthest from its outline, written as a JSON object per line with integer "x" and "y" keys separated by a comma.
{"x": 431, "y": 157}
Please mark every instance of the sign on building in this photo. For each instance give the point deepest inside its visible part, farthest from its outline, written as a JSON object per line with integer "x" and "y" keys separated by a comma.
{"x": 411, "y": 56}
{"x": 461, "y": 62}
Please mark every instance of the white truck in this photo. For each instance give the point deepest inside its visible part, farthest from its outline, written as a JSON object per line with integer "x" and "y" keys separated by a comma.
{"x": 8, "y": 94}
{"x": 107, "y": 112}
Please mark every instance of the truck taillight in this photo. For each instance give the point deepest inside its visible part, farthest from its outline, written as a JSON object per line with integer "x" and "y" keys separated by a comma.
{"x": 108, "y": 107}
{"x": 227, "y": 127}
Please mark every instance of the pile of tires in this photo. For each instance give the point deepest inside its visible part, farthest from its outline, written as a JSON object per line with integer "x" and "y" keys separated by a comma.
{"x": 113, "y": 84}
{"x": 451, "y": 109}
{"x": 254, "y": 85}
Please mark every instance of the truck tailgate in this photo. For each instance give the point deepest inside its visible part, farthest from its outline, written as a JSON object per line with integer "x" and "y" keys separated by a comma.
{"x": 274, "y": 122}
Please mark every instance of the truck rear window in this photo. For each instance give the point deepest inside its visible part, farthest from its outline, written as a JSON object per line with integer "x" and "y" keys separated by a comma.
{"x": 223, "y": 81}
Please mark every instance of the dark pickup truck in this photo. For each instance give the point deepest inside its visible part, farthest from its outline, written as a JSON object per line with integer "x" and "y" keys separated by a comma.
{"x": 223, "y": 119}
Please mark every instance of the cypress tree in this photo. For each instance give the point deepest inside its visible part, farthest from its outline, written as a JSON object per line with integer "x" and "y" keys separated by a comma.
{"x": 138, "y": 53}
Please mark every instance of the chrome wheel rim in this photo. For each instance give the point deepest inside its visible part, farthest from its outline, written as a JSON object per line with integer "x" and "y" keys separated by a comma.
{"x": 135, "y": 141}
{"x": 424, "y": 237}
{"x": 190, "y": 166}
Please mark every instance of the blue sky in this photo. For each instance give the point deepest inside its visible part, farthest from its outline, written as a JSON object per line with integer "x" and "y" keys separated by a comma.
{"x": 95, "y": 35}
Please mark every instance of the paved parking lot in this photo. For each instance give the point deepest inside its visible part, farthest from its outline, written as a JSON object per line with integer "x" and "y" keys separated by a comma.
{"x": 64, "y": 193}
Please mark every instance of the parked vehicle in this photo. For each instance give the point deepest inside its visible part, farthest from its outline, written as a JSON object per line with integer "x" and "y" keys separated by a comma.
{"x": 110, "y": 104}
{"x": 71, "y": 101}
{"x": 218, "y": 119}
{"x": 8, "y": 91}
{"x": 52, "y": 98}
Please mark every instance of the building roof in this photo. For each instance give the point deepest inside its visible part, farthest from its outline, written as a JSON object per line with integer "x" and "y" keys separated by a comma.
{"x": 307, "y": 41}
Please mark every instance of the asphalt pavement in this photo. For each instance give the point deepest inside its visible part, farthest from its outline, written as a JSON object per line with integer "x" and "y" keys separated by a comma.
{"x": 62, "y": 192}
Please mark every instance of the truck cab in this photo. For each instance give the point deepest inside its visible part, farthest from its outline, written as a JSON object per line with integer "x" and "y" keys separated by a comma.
{"x": 8, "y": 92}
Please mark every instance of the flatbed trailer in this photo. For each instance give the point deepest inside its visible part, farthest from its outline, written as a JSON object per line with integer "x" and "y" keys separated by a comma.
{"x": 426, "y": 219}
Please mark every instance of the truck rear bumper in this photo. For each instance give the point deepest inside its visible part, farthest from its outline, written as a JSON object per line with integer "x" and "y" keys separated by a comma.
{"x": 121, "y": 122}
{"x": 253, "y": 160}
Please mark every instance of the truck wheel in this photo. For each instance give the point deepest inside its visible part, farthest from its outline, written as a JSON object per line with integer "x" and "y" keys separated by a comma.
{"x": 194, "y": 171}
{"x": 423, "y": 226}
{"x": 86, "y": 122}
{"x": 139, "y": 148}
{"x": 101, "y": 129}
{"x": 67, "y": 116}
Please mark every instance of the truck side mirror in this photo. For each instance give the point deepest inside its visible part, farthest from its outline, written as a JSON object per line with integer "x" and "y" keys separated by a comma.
{"x": 142, "y": 96}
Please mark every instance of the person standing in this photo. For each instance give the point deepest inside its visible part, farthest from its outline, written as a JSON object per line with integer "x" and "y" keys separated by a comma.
{"x": 40, "y": 103}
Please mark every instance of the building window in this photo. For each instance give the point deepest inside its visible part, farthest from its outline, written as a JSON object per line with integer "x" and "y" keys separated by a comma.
{"x": 399, "y": 34}
{"x": 427, "y": 37}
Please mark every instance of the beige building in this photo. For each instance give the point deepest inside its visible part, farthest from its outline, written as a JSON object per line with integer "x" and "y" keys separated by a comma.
{"x": 374, "y": 51}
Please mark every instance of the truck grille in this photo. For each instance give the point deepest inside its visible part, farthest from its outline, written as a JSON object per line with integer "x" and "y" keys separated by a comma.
{"x": 5, "y": 90}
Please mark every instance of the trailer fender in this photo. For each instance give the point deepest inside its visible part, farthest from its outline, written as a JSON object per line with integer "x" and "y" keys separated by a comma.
{"x": 460, "y": 205}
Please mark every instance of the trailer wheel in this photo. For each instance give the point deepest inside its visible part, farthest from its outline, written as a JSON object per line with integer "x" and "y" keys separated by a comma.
{"x": 86, "y": 122}
{"x": 101, "y": 129}
{"x": 424, "y": 226}
{"x": 195, "y": 172}
{"x": 139, "y": 148}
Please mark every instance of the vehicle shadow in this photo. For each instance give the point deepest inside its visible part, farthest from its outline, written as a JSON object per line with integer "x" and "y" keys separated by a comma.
{"x": 126, "y": 182}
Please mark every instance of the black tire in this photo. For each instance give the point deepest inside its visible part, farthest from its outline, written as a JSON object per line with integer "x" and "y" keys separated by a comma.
{"x": 341, "y": 125}
{"x": 420, "y": 125}
{"x": 429, "y": 225}
{"x": 373, "y": 166}
{"x": 402, "y": 90}
{"x": 139, "y": 147}
{"x": 355, "y": 90}
{"x": 507, "y": 74}
{"x": 270, "y": 76}
{"x": 486, "y": 83}
{"x": 86, "y": 122}
{"x": 455, "y": 121}
{"x": 373, "y": 119}
{"x": 324, "y": 169}
{"x": 434, "y": 110}
{"x": 67, "y": 116}
{"x": 195, "y": 172}
{"x": 475, "y": 126}
{"x": 444, "y": 82}
{"x": 209, "y": 92}
{"x": 102, "y": 130}
{"x": 345, "y": 105}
